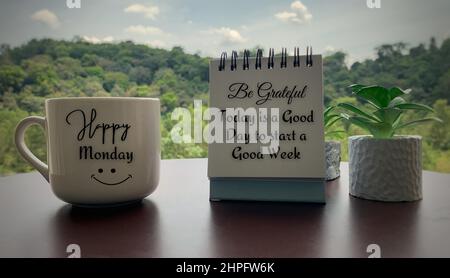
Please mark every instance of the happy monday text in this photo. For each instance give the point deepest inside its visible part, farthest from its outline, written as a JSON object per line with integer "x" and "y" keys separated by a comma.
{"x": 89, "y": 129}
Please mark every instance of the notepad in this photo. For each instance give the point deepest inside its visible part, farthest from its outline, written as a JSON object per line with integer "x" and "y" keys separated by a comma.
{"x": 292, "y": 87}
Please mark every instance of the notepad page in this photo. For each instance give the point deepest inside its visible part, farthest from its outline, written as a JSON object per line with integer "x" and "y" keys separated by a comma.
{"x": 301, "y": 128}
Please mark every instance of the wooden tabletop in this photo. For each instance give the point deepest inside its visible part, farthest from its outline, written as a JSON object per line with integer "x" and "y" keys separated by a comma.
{"x": 178, "y": 220}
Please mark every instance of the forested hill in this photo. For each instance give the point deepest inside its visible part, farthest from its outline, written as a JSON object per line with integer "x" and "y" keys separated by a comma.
{"x": 49, "y": 68}
{"x": 423, "y": 68}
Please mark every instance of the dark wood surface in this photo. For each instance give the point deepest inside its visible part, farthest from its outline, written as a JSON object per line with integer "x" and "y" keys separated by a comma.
{"x": 179, "y": 221}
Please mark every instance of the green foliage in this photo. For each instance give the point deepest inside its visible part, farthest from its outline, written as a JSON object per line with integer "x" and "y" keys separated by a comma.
{"x": 11, "y": 77}
{"x": 141, "y": 75}
{"x": 10, "y": 162}
{"x": 383, "y": 121}
{"x": 439, "y": 135}
{"x": 49, "y": 68}
{"x": 169, "y": 101}
{"x": 115, "y": 78}
{"x": 330, "y": 118}
{"x": 94, "y": 71}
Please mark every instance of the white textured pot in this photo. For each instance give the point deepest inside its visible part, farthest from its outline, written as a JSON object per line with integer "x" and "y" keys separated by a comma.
{"x": 333, "y": 159}
{"x": 386, "y": 169}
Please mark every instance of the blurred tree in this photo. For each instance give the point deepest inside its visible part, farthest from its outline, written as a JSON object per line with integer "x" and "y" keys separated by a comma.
{"x": 169, "y": 101}
{"x": 11, "y": 77}
{"x": 442, "y": 89}
{"x": 141, "y": 75}
{"x": 115, "y": 78}
{"x": 439, "y": 134}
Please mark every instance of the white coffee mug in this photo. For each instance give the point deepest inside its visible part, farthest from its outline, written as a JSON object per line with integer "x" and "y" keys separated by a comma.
{"x": 100, "y": 151}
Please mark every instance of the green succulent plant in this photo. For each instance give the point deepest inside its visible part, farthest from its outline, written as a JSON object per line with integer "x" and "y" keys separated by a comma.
{"x": 330, "y": 118}
{"x": 384, "y": 120}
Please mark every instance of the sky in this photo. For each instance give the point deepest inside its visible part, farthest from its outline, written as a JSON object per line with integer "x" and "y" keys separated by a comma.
{"x": 209, "y": 27}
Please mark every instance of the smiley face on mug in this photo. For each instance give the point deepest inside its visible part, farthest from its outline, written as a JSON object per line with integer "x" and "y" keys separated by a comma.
{"x": 110, "y": 178}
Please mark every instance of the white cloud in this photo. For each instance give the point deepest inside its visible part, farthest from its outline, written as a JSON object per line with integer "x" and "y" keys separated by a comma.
{"x": 143, "y": 30}
{"x": 149, "y": 11}
{"x": 94, "y": 39}
{"x": 47, "y": 17}
{"x": 286, "y": 16}
{"x": 330, "y": 48}
{"x": 156, "y": 43}
{"x": 298, "y": 14}
{"x": 229, "y": 36}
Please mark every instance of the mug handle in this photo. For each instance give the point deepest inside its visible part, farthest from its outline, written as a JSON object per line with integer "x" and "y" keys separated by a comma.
{"x": 19, "y": 140}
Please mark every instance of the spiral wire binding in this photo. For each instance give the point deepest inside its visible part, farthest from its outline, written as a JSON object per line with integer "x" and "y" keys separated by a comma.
{"x": 309, "y": 61}
{"x": 296, "y": 57}
{"x": 246, "y": 64}
{"x": 283, "y": 58}
{"x": 270, "y": 60}
{"x": 270, "y": 63}
{"x": 223, "y": 58}
{"x": 234, "y": 57}
{"x": 258, "y": 59}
